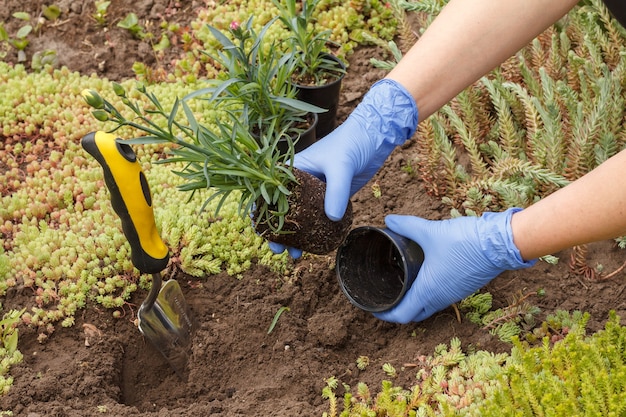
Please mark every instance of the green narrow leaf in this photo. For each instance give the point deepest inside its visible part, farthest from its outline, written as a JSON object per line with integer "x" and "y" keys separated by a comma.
{"x": 144, "y": 140}
{"x": 193, "y": 123}
{"x": 172, "y": 116}
{"x": 264, "y": 193}
{"x": 24, "y": 31}
{"x": 51, "y": 12}
{"x": 10, "y": 341}
{"x": 276, "y": 317}
{"x": 21, "y": 15}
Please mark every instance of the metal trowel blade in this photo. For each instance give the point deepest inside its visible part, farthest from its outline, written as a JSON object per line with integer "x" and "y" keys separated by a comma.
{"x": 168, "y": 325}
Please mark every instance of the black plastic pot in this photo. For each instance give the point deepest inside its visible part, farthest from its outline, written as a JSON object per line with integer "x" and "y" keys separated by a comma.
{"x": 306, "y": 138}
{"x": 325, "y": 96}
{"x": 375, "y": 267}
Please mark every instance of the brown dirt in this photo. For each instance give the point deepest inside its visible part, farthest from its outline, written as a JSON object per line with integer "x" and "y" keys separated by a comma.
{"x": 236, "y": 367}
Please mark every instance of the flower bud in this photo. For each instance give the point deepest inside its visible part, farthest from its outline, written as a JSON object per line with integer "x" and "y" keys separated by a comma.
{"x": 101, "y": 115}
{"x": 93, "y": 99}
{"x": 118, "y": 89}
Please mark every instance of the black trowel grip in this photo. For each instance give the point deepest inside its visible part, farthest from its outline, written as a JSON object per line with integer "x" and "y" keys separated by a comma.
{"x": 130, "y": 198}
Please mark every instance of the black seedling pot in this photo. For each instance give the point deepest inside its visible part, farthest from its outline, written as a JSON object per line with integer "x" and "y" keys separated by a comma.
{"x": 306, "y": 138}
{"x": 325, "y": 96}
{"x": 375, "y": 267}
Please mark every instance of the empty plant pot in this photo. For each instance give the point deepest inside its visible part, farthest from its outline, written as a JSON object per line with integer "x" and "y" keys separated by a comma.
{"x": 375, "y": 267}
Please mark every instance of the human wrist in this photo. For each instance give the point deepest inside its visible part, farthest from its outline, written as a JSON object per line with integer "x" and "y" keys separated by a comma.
{"x": 497, "y": 240}
{"x": 394, "y": 110}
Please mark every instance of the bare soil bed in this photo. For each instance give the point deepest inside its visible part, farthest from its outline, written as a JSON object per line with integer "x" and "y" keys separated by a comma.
{"x": 236, "y": 367}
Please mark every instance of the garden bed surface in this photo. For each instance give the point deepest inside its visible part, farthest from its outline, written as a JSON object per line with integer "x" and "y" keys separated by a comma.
{"x": 236, "y": 367}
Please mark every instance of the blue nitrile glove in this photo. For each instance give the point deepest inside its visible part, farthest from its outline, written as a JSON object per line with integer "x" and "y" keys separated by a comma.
{"x": 461, "y": 255}
{"x": 350, "y": 155}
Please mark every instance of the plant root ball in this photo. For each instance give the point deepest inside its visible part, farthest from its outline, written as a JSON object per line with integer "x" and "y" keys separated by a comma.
{"x": 306, "y": 225}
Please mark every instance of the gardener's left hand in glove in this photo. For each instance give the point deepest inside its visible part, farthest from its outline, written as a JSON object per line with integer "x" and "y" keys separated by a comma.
{"x": 350, "y": 156}
{"x": 461, "y": 255}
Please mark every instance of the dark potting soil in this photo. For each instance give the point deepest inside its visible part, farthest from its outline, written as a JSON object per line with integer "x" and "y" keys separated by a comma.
{"x": 306, "y": 225}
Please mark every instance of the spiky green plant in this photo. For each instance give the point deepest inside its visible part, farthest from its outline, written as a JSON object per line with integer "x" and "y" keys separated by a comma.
{"x": 544, "y": 118}
{"x": 577, "y": 376}
{"x": 313, "y": 64}
{"x": 256, "y": 82}
{"x": 574, "y": 376}
{"x": 228, "y": 159}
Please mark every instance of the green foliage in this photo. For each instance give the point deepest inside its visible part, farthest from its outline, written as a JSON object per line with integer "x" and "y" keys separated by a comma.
{"x": 505, "y": 323}
{"x": 276, "y": 317}
{"x": 21, "y": 38}
{"x": 4, "y": 264}
{"x": 574, "y": 376}
{"x": 311, "y": 47}
{"x": 131, "y": 24}
{"x": 346, "y": 22}
{"x": 542, "y": 119}
{"x": 395, "y": 52}
{"x": 100, "y": 15}
{"x": 43, "y": 58}
{"x": 362, "y": 362}
{"x": 257, "y": 81}
{"x": 227, "y": 160}
{"x": 9, "y": 354}
{"x": 448, "y": 382}
{"x": 577, "y": 376}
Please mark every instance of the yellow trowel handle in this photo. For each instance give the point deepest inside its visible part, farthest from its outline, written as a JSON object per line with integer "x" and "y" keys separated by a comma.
{"x": 130, "y": 198}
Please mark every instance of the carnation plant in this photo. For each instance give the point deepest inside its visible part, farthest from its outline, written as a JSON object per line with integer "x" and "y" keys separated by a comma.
{"x": 256, "y": 81}
{"x": 314, "y": 64}
{"x": 287, "y": 204}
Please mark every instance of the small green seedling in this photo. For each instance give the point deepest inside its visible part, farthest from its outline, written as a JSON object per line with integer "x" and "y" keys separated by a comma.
{"x": 131, "y": 24}
{"x": 362, "y": 362}
{"x": 51, "y": 12}
{"x": 276, "y": 317}
{"x": 43, "y": 58}
{"x": 100, "y": 15}
{"x": 9, "y": 354}
{"x": 163, "y": 43}
{"x": 21, "y": 41}
{"x": 390, "y": 370}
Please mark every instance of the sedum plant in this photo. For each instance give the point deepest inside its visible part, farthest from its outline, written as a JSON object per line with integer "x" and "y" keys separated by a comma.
{"x": 577, "y": 376}
{"x": 517, "y": 318}
{"x": 9, "y": 354}
{"x": 573, "y": 376}
{"x": 542, "y": 119}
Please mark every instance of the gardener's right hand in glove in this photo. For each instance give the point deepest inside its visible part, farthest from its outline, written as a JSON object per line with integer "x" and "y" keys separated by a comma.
{"x": 461, "y": 255}
{"x": 350, "y": 156}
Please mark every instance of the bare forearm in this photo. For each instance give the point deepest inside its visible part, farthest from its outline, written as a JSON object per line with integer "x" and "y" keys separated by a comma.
{"x": 590, "y": 209}
{"x": 467, "y": 40}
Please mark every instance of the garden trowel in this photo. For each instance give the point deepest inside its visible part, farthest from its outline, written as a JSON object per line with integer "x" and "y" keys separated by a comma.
{"x": 164, "y": 316}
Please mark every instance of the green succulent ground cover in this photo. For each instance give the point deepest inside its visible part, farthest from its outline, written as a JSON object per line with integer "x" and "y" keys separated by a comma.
{"x": 58, "y": 233}
{"x": 542, "y": 119}
{"x": 579, "y": 375}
